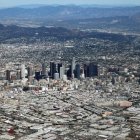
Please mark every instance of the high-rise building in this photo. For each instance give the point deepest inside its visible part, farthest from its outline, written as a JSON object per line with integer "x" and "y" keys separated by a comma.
{"x": 59, "y": 66}
{"x": 72, "y": 67}
{"x": 53, "y": 69}
{"x": 69, "y": 73}
{"x": 50, "y": 73}
{"x": 22, "y": 71}
{"x": 93, "y": 70}
{"x": 77, "y": 71}
{"x": 61, "y": 73}
{"x": 37, "y": 75}
{"x": 82, "y": 75}
{"x": 86, "y": 70}
{"x": 30, "y": 71}
{"x": 90, "y": 73}
{"x": 44, "y": 69}
{"x": 18, "y": 74}
{"x": 8, "y": 76}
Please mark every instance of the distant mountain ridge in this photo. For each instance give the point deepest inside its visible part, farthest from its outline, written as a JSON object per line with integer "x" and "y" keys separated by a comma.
{"x": 65, "y": 12}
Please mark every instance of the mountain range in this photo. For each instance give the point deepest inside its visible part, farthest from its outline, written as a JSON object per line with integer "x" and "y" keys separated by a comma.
{"x": 63, "y": 12}
{"x": 121, "y": 19}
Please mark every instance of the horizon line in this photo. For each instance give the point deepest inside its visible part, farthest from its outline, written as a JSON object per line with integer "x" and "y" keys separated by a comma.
{"x": 88, "y": 5}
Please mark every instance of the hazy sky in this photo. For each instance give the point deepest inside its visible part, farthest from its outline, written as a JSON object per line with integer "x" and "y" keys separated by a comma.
{"x": 9, "y": 3}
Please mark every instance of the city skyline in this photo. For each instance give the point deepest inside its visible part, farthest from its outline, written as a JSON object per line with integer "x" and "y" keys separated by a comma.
{"x": 13, "y": 3}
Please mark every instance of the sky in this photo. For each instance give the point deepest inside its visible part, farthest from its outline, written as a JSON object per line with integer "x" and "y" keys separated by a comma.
{"x": 11, "y": 3}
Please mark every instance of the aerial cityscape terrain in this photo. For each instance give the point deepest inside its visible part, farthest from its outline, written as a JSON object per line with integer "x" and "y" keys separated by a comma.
{"x": 70, "y": 72}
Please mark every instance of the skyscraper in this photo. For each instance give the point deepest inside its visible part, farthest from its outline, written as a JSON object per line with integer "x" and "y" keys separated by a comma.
{"x": 44, "y": 69}
{"x": 93, "y": 70}
{"x": 72, "y": 67}
{"x": 82, "y": 74}
{"x": 22, "y": 71}
{"x": 30, "y": 71}
{"x": 61, "y": 72}
{"x": 59, "y": 66}
{"x": 53, "y": 69}
{"x": 86, "y": 70}
{"x": 69, "y": 72}
{"x": 77, "y": 71}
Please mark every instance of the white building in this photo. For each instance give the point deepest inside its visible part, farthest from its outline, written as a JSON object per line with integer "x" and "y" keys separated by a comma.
{"x": 22, "y": 71}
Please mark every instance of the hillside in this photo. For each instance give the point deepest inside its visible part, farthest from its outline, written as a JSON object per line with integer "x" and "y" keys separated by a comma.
{"x": 16, "y": 34}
